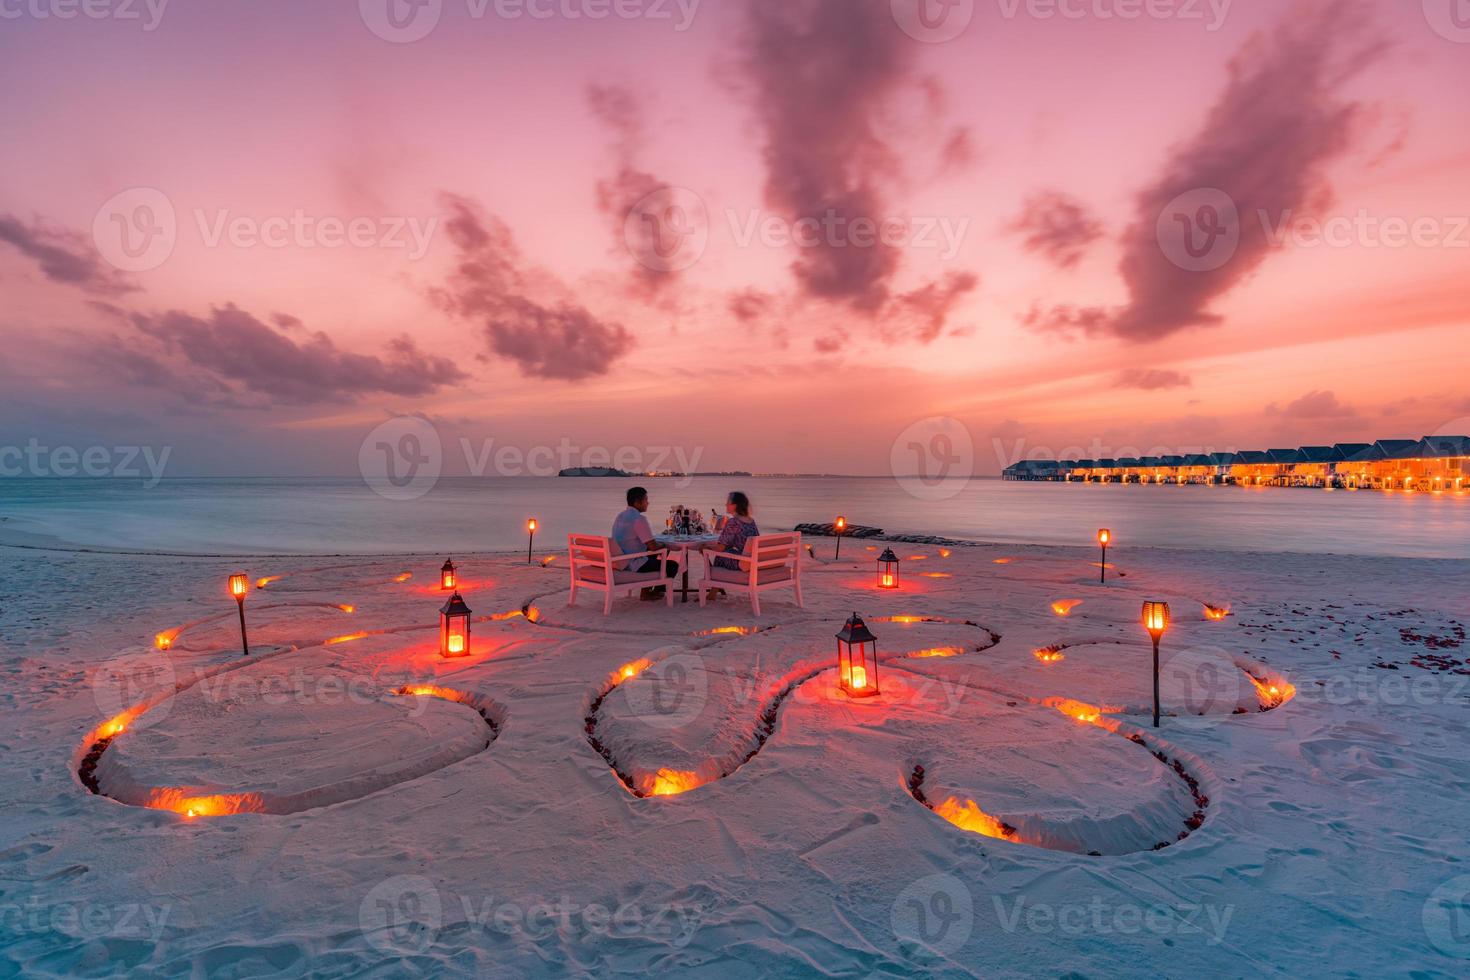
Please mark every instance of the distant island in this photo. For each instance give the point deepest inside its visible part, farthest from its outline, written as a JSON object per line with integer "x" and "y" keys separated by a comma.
{"x": 610, "y": 471}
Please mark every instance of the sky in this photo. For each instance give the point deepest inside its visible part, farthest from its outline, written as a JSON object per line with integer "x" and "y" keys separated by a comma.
{"x": 807, "y": 236}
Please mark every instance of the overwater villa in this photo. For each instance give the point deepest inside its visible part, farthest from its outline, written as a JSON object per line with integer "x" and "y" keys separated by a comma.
{"x": 1432, "y": 463}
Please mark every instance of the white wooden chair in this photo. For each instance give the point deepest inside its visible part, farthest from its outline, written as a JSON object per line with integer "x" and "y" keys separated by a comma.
{"x": 771, "y": 561}
{"x": 595, "y": 565}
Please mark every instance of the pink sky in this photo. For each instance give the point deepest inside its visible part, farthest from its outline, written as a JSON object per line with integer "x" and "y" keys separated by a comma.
{"x": 1053, "y": 317}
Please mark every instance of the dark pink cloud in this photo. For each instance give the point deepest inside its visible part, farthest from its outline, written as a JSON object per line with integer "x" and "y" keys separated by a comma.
{"x": 750, "y": 305}
{"x": 239, "y": 349}
{"x": 1315, "y": 405}
{"x": 619, "y": 194}
{"x": 822, "y": 72}
{"x": 824, "y": 76}
{"x": 1266, "y": 143}
{"x": 1057, "y": 226}
{"x": 64, "y": 257}
{"x": 1152, "y": 379}
{"x": 922, "y": 313}
{"x": 550, "y": 337}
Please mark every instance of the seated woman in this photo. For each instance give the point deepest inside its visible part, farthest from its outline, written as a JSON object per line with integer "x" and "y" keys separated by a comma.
{"x": 739, "y": 528}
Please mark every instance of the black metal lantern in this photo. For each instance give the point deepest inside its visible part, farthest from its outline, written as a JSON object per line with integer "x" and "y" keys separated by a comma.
{"x": 447, "y": 577}
{"x": 888, "y": 569}
{"x": 454, "y": 628}
{"x": 857, "y": 659}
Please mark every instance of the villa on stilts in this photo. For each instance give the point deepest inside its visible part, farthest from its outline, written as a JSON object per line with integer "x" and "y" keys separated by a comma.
{"x": 1434, "y": 463}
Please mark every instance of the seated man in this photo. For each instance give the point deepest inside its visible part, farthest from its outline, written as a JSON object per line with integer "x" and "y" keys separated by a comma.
{"x": 632, "y": 535}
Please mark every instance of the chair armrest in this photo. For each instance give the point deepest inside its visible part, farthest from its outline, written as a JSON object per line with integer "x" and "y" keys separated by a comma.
{"x": 711, "y": 554}
{"x": 661, "y": 553}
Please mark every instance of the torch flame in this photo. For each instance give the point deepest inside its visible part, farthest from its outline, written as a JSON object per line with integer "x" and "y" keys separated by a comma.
{"x": 1273, "y": 694}
{"x": 631, "y": 670}
{"x": 1081, "y": 711}
{"x": 967, "y": 815}
{"x": 218, "y": 805}
{"x": 672, "y": 782}
{"x": 940, "y": 652}
{"x": 1064, "y": 607}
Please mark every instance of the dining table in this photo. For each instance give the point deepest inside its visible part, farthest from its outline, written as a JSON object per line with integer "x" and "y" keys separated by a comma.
{"x": 684, "y": 544}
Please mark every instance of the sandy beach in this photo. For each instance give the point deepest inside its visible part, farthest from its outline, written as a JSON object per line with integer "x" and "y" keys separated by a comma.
{"x": 687, "y": 790}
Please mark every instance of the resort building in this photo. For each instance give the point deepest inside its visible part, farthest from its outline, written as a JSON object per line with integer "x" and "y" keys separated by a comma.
{"x": 1434, "y": 463}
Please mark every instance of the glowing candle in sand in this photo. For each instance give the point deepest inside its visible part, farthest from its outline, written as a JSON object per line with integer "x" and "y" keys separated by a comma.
{"x": 448, "y": 579}
{"x": 240, "y": 588}
{"x": 1156, "y": 621}
{"x": 454, "y": 628}
{"x": 857, "y": 659}
{"x": 888, "y": 570}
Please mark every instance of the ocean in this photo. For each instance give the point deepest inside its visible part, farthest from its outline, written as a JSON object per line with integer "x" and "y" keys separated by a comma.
{"x": 460, "y": 516}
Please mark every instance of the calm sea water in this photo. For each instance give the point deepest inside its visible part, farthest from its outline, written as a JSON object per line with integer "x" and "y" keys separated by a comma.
{"x": 341, "y": 516}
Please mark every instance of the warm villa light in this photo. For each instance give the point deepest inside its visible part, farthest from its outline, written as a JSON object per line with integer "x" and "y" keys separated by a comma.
{"x": 454, "y": 628}
{"x": 857, "y": 659}
{"x": 1156, "y": 621}
{"x": 888, "y": 570}
{"x": 448, "y": 580}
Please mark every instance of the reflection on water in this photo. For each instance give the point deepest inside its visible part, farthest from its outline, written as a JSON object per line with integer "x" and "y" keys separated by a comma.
{"x": 342, "y": 516}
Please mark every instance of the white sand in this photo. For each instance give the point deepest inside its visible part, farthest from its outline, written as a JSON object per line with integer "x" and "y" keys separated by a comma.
{"x": 405, "y": 832}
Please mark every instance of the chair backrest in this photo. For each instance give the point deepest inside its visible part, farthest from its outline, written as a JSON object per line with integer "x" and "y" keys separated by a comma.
{"x": 776, "y": 550}
{"x": 589, "y": 550}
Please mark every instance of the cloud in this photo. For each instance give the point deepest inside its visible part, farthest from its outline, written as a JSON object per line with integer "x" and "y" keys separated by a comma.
{"x": 922, "y": 313}
{"x": 1314, "y": 405}
{"x": 1267, "y": 143}
{"x": 64, "y": 257}
{"x": 824, "y": 77}
{"x": 236, "y": 347}
{"x": 550, "y": 338}
{"x": 617, "y": 196}
{"x": 750, "y": 305}
{"x": 1152, "y": 379}
{"x": 822, "y": 72}
{"x": 1057, "y": 226}
{"x": 1068, "y": 320}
